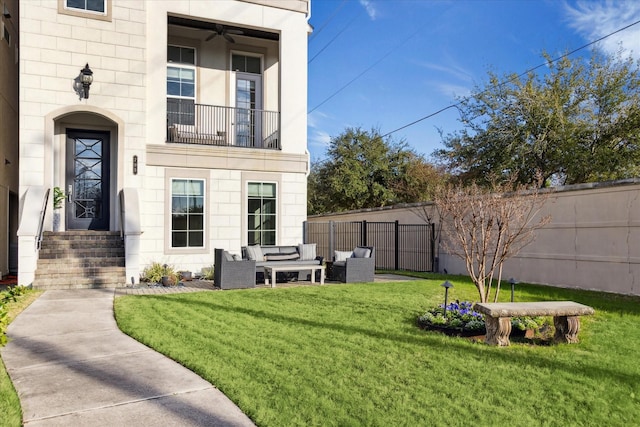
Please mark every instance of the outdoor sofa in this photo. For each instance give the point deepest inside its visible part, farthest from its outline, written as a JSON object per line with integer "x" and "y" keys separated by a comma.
{"x": 358, "y": 265}
{"x": 302, "y": 254}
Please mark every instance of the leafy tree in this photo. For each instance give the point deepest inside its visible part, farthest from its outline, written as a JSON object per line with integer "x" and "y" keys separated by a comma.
{"x": 364, "y": 170}
{"x": 579, "y": 122}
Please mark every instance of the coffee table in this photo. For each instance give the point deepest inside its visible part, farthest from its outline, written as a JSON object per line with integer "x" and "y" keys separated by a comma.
{"x": 271, "y": 271}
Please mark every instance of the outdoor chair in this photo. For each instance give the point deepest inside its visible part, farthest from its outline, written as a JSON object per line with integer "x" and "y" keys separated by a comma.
{"x": 356, "y": 266}
{"x": 232, "y": 273}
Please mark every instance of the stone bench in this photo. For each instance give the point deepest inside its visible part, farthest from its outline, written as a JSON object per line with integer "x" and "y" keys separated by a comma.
{"x": 566, "y": 318}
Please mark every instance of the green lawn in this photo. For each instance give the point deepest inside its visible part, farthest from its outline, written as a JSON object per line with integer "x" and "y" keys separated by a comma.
{"x": 350, "y": 355}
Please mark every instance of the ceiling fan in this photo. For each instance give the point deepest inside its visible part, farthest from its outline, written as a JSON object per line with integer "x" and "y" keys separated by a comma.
{"x": 220, "y": 30}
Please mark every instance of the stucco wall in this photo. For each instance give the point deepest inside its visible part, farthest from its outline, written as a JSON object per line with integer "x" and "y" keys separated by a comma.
{"x": 592, "y": 241}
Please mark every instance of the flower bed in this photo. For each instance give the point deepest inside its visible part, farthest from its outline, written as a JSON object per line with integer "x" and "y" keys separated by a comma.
{"x": 462, "y": 320}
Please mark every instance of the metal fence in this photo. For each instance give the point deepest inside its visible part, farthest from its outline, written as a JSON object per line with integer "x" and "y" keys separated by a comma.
{"x": 398, "y": 246}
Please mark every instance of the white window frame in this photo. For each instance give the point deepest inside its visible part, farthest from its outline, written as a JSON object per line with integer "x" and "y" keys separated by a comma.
{"x": 277, "y": 207}
{"x": 185, "y": 66}
{"x": 64, "y": 9}
{"x": 179, "y": 174}
{"x": 85, "y": 9}
{"x": 233, "y": 82}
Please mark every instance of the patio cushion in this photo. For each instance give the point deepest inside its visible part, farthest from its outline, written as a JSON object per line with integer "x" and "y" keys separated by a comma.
{"x": 342, "y": 255}
{"x": 307, "y": 251}
{"x": 255, "y": 253}
{"x": 282, "y": 256}
{"x": 360, "y": 252}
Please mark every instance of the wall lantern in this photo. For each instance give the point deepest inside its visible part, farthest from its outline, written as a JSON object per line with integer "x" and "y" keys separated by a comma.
{"x": 86, "y": 78}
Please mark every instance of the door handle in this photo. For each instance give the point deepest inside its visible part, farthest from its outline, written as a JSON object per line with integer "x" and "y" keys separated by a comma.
{"x": 69, "y": 192}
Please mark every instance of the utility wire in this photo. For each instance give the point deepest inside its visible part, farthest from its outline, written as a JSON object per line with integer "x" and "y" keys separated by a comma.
{"x": 510, "y": 79}
{"x": 394, "y": 49}
{"x": 334, "y": 38}
{"x": 327, "y": 21}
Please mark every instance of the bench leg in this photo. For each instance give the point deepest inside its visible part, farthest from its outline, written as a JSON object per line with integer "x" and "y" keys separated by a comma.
{"x": 498, "y": 330}
{"x": 567, "y": 328}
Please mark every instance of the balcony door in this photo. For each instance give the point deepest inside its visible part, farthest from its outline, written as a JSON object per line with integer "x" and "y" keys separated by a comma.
{"x": 87, "y": 179}
{"x": 249, "y": 110}
{"x": 248, "y": 96}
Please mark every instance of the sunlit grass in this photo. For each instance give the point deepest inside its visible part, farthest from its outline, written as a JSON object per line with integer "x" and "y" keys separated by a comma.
{"x": 351, "y": 355}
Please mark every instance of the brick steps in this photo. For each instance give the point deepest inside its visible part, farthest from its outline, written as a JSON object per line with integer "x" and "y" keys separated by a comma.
{"x": 80, "y": 259}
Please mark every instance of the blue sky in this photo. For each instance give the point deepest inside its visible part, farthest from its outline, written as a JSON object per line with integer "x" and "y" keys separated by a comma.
{"x": 386, "y": 63}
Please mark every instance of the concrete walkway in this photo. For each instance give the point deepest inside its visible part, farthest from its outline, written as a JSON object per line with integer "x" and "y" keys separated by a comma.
{"x": 72, "y": 366}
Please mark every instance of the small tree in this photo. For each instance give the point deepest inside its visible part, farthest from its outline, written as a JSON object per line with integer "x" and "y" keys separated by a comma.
{"x": 486, "y": 226}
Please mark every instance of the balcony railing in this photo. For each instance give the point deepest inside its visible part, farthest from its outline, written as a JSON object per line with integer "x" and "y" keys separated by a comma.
{"x": 190, "y": 123}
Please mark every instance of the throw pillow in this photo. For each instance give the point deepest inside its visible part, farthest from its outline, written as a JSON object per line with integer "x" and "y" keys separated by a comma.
{"x": 282, "y": 257}
{"x": 342, "y": 255}
{"x": 255, "y": 253}
{"x": 361, "y": 252}
{"x": 307, "y": 251}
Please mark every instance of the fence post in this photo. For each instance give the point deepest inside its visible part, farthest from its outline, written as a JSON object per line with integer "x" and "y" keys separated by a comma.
{"x": 434, "y": 260}
{"x": 397, "y": 244}
{"x": 363, "y": 237}
{"x": 331, "y": 239}
{"x": 305, "y": 232}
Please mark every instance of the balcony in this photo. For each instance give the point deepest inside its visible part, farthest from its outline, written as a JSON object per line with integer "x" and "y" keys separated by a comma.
{"x": 190, "y": 123}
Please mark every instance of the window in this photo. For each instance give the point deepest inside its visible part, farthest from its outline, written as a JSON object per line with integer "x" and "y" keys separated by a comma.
{"x": 187, "y": 213}
{"x": 246, "y": 64}
{"x": 92, "y": 9}
{"x": 97, "y": 6}
{"x": 181, "y": 85}
{"x": 183, "y": 55}
{"x": 261, "y": 219}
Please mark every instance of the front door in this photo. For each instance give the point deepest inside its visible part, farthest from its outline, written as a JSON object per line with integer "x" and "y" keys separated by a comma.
{"x": 87, "y": 179}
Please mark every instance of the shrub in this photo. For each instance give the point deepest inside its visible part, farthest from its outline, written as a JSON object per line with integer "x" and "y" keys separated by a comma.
{"x": 527, "y": 322}
{"x": 154, "y": 273}
{"x": 10, "y": 295}
{"x": 58, "y": 197}
{"x": 207, "y": 272}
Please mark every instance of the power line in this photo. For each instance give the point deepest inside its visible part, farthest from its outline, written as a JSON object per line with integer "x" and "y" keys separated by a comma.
{"x": 327, "y": 21}
{"x": 334, "y": 38}
{"x": 394, "y": 49}
{"x": 510, "y": 79}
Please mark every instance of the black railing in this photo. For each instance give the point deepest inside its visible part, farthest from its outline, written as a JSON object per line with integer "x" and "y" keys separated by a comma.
{"x": 190, "y": 123}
